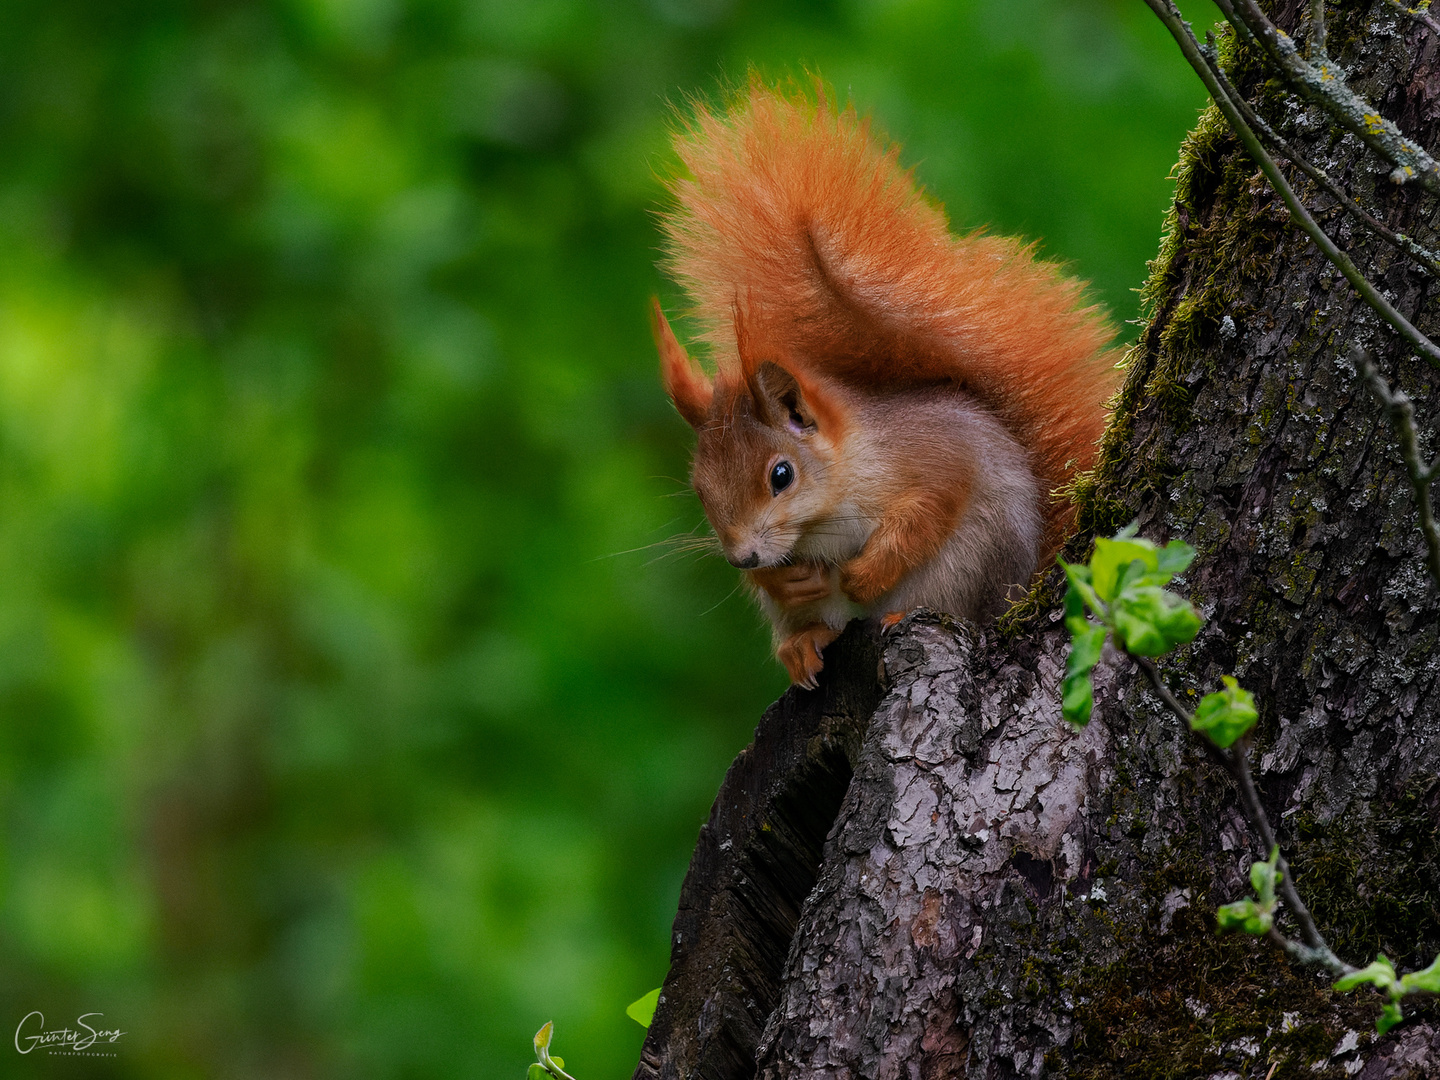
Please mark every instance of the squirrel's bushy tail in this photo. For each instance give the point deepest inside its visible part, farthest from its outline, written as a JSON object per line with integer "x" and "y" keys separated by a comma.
{"x": 798, "y": 221}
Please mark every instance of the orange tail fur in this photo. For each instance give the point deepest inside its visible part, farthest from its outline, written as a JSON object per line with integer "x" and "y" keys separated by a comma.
{"x": 796, "y": 218}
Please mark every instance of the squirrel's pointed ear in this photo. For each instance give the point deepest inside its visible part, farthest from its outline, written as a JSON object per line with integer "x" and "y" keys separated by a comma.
{"x": 788, "y": 398}
{"x": 687, "y": 385}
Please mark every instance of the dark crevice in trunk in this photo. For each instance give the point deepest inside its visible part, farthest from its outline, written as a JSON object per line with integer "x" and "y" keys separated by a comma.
{"x": 754, "y": 864}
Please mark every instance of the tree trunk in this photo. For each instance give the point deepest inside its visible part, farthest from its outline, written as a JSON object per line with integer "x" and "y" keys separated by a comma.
{"x": 1000, "y": 895}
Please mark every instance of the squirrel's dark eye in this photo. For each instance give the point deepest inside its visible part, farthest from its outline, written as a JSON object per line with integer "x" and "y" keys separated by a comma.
{"x": 781, "y": 477}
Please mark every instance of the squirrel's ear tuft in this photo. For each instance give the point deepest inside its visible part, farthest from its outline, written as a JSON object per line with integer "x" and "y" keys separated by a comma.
{"x": 687, "y": 385}
{"x": 752, "y": 331}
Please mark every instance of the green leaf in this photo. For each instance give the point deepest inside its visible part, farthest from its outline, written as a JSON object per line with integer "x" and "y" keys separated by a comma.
{"x": 550, "y": 1066}
{"x": 1426, "y": 979}
{"x": 1132, "y": 575}
{"x": 1380, "y": 973}
{"x": 1390, "y": 1015}
{"x": 1260, "y": 924}
{"x": 642, "y": 1010}
{"x": 1233, "y": 916}
{"x": 1074, "y": 602}
{"x": 1150, "y": 621}
{"x": 1264, "y": 877}
{"x": 1077, "y": 698}
{"x": 1254, "y": 916}
{"x": 1080, "y": 592}
{"x": 1225, "y": 715}
{"x": 1244, "y": 915}
{"x": 1087, "y": 642}
{"x": 1077, "y": 694}
{"x": 1114, "y": 556}
{"x": 1128, "y": 560}
{"x": 1180, "y": 622}
{"x": 537, "y": 1072}
{"x": 1174, "y": 558}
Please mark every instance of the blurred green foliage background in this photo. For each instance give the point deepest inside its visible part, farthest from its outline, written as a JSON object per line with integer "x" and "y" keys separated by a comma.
{"x": 348, "y": 727}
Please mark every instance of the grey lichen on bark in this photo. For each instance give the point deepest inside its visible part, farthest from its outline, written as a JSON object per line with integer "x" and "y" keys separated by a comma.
{"x": 963, "y": 825}
{"x": 1002, "y": 896}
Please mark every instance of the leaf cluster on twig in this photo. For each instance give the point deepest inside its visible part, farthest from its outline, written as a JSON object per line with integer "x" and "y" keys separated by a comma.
{"x": 1120, "y": 596}
{"x": 1223, "y": 719}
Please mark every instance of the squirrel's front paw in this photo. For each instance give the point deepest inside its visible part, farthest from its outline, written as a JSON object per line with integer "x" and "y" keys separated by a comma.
{"x": 862, "y": 580}
{"x": 791, "y": 586}
{"x": 800, "y": 653}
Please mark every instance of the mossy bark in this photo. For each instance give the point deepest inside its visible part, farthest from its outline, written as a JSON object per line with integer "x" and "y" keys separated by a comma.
{"x": 1001, "y": 896}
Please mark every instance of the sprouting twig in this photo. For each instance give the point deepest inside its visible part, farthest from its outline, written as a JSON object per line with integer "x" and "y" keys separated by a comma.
{"x": 1173, "y": 704}
{"x": 1402, "y": 417}
{"x": 1314, "y": 949}
{"x": 1180, "y": 30}
{"x": 1423, "y": 256}
{"x": 1421, "y": 11}
{"x": 542, "y": 1053}
{"x": 1322, "y": 84}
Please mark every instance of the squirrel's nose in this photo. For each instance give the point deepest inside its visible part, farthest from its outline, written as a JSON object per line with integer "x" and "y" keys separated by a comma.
{"x": 748, "y": 563}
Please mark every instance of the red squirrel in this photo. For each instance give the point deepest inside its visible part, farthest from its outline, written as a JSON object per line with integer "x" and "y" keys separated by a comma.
{"x": 895, "y": 408}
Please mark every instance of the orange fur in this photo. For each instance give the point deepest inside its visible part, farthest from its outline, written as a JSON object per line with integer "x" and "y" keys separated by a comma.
{"x": 686, "y": 384}
{"x": 800, "y": 653}
{"x": 918, "y": 520}
{"x": 802, "y": 240}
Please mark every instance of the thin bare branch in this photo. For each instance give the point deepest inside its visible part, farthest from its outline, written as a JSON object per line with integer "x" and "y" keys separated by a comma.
{"x": 1421, "y": 11}
{"x": 1426, "y": 259}
{"x": 1322, "y": 83}
{"x": 1317, "y": 30}
{"x": 1173, "y": 704}
{"x": 1180, "y": 30}
{"x": 1402, "y": 417}
{"x": 1320, "y": 951}
{"x": 1304, "y": 954}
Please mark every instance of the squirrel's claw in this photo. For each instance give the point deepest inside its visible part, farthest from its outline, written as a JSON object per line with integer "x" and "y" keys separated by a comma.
{"x": 803, "y": 656}
{"x": 892, "y": 619}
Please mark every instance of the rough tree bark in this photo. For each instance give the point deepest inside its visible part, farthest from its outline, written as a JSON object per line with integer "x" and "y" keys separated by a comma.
{"x": 999, "y": 895}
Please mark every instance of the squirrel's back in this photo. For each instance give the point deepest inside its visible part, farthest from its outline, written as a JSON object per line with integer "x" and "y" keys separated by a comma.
{"x": 798, "y": 226}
